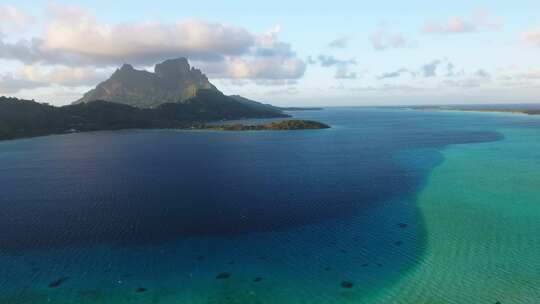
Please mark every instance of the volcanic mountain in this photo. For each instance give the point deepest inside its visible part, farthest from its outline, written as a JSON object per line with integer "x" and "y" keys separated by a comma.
{"x": 172, "y": 81}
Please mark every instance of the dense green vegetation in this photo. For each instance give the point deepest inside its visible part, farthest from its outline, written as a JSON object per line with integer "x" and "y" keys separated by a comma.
{"x": 279, "y": 125}
{"x": 25, "y": 118}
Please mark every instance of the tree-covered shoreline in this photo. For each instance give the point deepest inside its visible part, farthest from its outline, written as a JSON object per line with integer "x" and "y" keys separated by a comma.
{"x": 27, "y": 118}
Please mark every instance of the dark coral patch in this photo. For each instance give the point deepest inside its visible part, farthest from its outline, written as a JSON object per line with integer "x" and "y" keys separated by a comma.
{"x": 402, "y": 225}
{"x": 223, "y": 275}
{"x": 58, "y": 282}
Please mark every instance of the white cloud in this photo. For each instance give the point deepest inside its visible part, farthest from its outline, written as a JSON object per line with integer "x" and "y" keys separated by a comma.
{"x": 430, "y": 69}
{"x": 328, "y": 61}
{"x": 477, "y": 79}
{"x": 77, "y": 32}
{"x": 29, "y": 51}
{"x": 342, "y": 66}
{"x": 77, "y": 38}
{"x": 286, "y": 91}
{"x": 11, "y": 85}
{"x": 512, "y": 76}
{"x": 342, "y": 72}
{"x": 381, "y": 40}
{"x": 339, "y": 43}
{"x": 483, "y": 74}
{"x": 450, "y": 69}
{"x": 397, "y": 73}
{"x": 64, "y": 76}
{"x": 531, "y": 74}
{"x": 484, "y": 19}
{"x": 388, "y": 88}
{"x": 269, "y": 59}
{"x": 532, "y": 37}
{"x": 272, "y": 67}
{"x": 276, "y": 82}
{"x": 455, "y": 25}
{"x": 12, "y": 17}
{"x": 36, "y": 76}
{"x": 459, "y": 25}
{"x": 467, "y": 83}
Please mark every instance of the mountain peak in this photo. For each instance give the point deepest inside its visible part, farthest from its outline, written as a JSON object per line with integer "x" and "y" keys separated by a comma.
{"x": 126, "y": 67}
{"x": 178, "y": 67}
{"x": 173, "y": 80}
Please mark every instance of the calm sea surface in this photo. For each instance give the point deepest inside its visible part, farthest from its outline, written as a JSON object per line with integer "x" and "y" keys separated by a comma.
{"x": 387, "y": 206}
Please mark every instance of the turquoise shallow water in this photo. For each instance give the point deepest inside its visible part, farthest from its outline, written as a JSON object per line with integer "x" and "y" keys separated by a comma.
{"x": 408, "y": 206}
{"x": 481, "y": 209}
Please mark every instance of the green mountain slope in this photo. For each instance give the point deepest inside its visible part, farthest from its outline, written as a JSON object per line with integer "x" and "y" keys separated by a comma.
{"x": 172, "y": 81}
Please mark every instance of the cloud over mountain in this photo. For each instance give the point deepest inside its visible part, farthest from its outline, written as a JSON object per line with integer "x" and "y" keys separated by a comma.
{"x": 75, "y": 37}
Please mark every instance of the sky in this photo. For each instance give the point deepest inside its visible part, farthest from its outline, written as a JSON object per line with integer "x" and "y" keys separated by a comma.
{"x": 289, "y": 53}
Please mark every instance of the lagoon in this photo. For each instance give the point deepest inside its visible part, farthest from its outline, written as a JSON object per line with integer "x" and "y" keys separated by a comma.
{"x": 408, "y": 206}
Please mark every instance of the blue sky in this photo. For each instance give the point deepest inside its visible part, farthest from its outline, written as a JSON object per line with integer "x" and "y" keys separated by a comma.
{"x": 283, "y": 52}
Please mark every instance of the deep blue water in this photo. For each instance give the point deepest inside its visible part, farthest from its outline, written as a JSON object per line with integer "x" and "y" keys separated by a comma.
{"x": 170, "y": 209}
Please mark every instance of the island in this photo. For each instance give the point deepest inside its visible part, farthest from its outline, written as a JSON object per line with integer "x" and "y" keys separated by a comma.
{"x": 174, "y": 96}
{"x": 512, "y": 109}
{"x": 505, "y": 110}
{"x": 284, "y": 125}
{"x": 27, "y": 118}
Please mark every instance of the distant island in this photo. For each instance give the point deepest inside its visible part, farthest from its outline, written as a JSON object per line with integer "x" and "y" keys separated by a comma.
{"x": 273, "y": 126}
{"x": 174, "y": 96}
{"x": 509, "y": 110}
{"x": 482, "y": 108}
{"x": 301, "y": 108}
